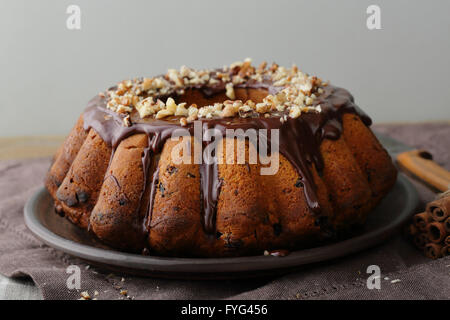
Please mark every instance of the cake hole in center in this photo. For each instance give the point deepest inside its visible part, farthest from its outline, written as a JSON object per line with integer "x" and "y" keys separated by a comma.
{"x": 192, "y": 96}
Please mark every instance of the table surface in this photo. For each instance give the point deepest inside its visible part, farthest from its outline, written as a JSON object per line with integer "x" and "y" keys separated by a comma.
{"x": 29, "y": 147}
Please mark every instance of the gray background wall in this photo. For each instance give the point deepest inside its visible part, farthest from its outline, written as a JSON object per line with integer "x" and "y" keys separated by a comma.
{"x": 48, "y": 73}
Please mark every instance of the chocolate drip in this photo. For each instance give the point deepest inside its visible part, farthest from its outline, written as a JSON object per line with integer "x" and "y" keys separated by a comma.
{"x": 299, "y": 141}
{"x": 210, "y": 185}
{"x": 153, "y": 186}
{"x": 210, "y": 189}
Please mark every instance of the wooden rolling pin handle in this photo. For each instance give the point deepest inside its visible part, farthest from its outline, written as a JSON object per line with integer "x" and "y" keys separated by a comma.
{"x": 420, "y": 164}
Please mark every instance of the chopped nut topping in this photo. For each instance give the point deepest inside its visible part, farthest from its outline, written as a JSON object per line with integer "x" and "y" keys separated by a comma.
{"x": 123, "y": 292}
{"x": 183, "y": 121}
{"x": 230, "y": 91}
{"x": 298, "y": 93}
{"x": 262, "y": 67}
{"x": 127, "y": 121}
{"x": 181, "y": 110}
{"x": 295, "y": 112}
{"x": 163, "y": 113}
{"x": 85, "y": 296}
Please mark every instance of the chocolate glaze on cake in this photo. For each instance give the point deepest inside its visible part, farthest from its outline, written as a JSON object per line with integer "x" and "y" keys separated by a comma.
{"x": 299, "y": 142}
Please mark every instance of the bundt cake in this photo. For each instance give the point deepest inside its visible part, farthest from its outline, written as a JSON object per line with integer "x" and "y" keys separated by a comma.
{"x": 119, "y": 175}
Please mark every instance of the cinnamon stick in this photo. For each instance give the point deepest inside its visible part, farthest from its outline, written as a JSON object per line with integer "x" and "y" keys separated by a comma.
{"x": 411, "y": 230}
{"x": 436, "y": 232}
{"x": 439, "y": 209}
{"x": 445, "y": 251}
{"x": 447, "y": 241}
{"x": 421, "y": 221}
{"x": 433, "y": 250}
{"x": 447, "y": 224}
{"x": 420, "y": 240}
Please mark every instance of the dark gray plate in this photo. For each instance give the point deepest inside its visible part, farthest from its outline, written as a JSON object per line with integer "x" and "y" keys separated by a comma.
{"x": 59, "y": 233}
